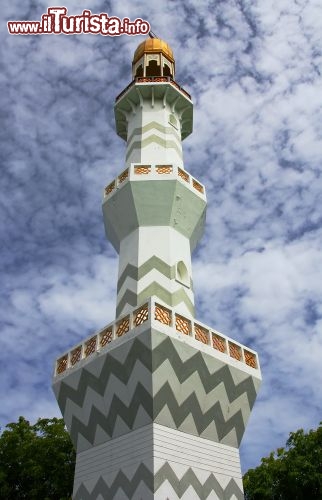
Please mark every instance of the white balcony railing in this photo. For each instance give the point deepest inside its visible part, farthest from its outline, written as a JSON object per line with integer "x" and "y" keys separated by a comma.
{"x": 155, "y": 172}
{"x": 153, "y": 79}
{"x": 156, "y": 313}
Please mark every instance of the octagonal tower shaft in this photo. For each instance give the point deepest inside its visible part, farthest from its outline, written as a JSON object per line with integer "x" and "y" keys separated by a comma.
{"x": 154, "y": 212}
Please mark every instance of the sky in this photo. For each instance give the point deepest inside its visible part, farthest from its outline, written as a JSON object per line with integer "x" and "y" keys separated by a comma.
{"x": 253, "y": 69}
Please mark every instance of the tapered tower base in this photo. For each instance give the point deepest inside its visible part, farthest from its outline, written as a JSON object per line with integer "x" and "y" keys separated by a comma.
{"x": 157, "y": 462}
{"x": 157, "y": 411}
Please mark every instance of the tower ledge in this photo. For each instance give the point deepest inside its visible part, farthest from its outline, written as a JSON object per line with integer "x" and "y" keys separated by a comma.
{"x": 157, "y": 315}
{"x": 151, "y": 89}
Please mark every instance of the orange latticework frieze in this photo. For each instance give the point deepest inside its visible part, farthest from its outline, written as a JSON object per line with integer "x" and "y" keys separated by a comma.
{"x": 62, "y": 364}
{"x": 180, "y": 88}
{"x": 250, "y": 359}
{"x": 183, "y": 325}
{"x": 143, "y": 79}
{"x": 146, "y": 79}
{"x": 76, "y": 355}
{"x": 90, "y": 346}
{"x": 218, "y": 343}
{"x": 201, "y": 334}
{"x": 109, "y": 188}
{"x": 124, "y": 175}
{"x": 142, "y": 169}
{"x": 106, "y": 337}
{"x": 197, "y": 186}
{"x": 175, "y": 84}
{"x": 123, "y": 326}
{"x": 141, "y": 315}
{"x": 162, "y": 314}
{"x": 235, "y": 351}
{"x": 163, "y": 169}
{"x": 183, "y": 175}
{"x": 185, "y": 92}
{"x": 124, "y": 91}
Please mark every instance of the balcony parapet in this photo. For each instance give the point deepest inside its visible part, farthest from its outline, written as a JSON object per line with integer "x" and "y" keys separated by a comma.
{"x": 140, "y": 172}
{"x": 157, "y": 314}
{"x": 153, "y": 79}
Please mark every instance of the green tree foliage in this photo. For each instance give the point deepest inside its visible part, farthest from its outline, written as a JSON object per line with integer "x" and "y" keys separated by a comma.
{"x": 36, "y": 461}
{"x": 290, "y": 473}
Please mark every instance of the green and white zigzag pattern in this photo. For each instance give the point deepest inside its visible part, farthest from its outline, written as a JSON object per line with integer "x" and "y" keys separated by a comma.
{"x": 156, "y": 378}
{"x": 144, "y": 484}
{"x": 158, "y": 278}
{"x": 153, "y": 133}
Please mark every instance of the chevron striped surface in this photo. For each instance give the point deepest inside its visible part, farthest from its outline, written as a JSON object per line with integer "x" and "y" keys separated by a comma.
{"x": 158, "y": 462}
{"x": 155, "y": 377}
{"x": 154, "y": 416}
{"x": 140, "y": 487}
{"x": 152, "y": 270}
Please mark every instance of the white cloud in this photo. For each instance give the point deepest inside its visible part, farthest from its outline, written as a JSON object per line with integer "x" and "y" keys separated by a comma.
{"x": 254, "y": 78}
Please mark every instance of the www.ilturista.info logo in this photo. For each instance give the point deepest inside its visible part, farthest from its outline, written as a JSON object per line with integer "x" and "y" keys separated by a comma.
{"x": 57, "y": 22}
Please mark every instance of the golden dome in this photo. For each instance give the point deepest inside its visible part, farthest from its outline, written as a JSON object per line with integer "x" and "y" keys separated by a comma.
{"x": 153, "y": 45}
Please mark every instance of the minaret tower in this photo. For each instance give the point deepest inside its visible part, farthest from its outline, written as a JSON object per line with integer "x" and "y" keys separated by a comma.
{"x": 156, "y": 402}
{"x": 154, "y": 211}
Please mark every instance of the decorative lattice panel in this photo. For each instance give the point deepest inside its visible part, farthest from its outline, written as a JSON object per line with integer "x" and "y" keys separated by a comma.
{"x": 250, "y": 359}
{"x": 109, "y": 188}
{"x": 235, "y": 351}
{"x": 197, "y": 186}
{"x": 176, "y": 85}
{"x": 143, "y": 79}
{"x": 123, "y": 326}
{"x": 141, "y": 315}
{"x": 201, "y": 334}
{"x": 90, "y": 346}
{"x": 142, "y": 169}
{"x": 160, "y": 79}
{"x": 163, "y": 169}
{"x": 62, "y": 364}
{"x": 183, "y": 325}
{"x": 106, "y": 337}
{"x": 76, "y": 355}
{"x": 165, "y": 316}
{"x": 162, "y": 314}
{"x": 185, "y": 92}
{"x": 124, "y": 175}
{"x": 183, "y": 175}
{"x": 218, "y": 343}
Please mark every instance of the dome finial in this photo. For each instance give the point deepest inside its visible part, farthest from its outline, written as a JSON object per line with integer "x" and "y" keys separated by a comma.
{"x": 153, "y": 57}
